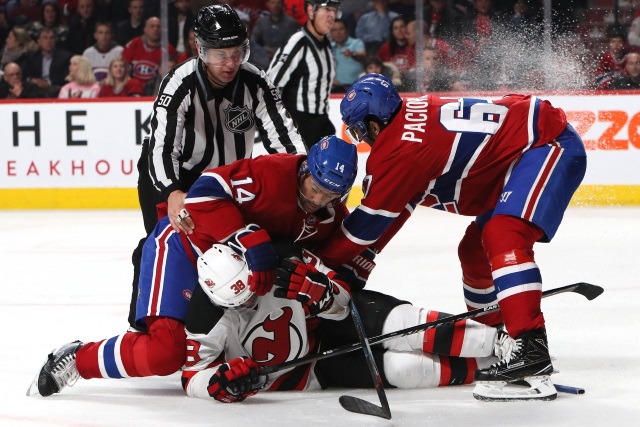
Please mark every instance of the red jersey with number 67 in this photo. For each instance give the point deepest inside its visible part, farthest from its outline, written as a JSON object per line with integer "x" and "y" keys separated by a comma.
{"x": 452, "y": 154}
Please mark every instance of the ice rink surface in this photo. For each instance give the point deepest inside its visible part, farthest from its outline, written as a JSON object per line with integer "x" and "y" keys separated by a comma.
{"x": 66, "y": 275}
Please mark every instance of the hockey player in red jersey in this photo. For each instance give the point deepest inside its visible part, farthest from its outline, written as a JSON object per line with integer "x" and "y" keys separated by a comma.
{"x": 245, "y": 204}
{"x": 231, "y": 333}
{"x": 512, "y": 163}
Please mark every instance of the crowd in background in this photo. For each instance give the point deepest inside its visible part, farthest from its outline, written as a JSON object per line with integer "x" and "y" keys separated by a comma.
{"x": 107, "y": 48}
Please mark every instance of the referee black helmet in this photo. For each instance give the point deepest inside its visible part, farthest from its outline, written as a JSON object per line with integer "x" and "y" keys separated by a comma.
{"x": 218, "y": 26}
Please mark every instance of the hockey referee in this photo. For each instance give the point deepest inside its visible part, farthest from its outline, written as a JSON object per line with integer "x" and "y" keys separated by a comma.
{"x": 303, "y": 71}
{"x": 206, "y": 114}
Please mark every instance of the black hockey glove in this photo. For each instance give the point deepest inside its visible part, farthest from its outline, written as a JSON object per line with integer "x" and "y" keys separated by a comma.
{"x": 236, "y": 380}
{"x": 302, "y": 282}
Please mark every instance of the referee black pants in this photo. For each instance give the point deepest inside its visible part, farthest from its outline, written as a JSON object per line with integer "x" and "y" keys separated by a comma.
{"x": 312, "y": 127}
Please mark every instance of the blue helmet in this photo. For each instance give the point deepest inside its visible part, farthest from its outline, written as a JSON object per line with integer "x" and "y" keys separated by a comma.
{"x": 333, "y": 164}
{"x": 372, "y": 95}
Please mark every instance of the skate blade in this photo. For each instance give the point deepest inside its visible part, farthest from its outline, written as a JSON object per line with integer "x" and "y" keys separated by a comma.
{"x": 33, "y": 388}
{"x": 531, "y": 388}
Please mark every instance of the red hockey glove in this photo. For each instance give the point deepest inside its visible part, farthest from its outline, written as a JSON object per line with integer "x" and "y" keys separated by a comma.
{"x": 236, "y": 380}
{"x": 356, "y": 272}
{"x": 302, "y": 282}
{"x": 255, "y": 245}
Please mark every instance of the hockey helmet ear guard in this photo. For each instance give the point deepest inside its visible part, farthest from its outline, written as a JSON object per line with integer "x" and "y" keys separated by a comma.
{"x": 371, "y": 96}
{"x": 224, "y": 277}
{"x": 333, "y": 164}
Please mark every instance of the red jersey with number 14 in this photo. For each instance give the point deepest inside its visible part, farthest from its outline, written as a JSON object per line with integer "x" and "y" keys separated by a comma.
{"x": 452, "y": 154}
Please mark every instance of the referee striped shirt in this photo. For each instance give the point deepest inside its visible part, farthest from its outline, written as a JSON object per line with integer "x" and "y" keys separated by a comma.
{"x": 194, "y": 127}
{"x": 303, "y": 71}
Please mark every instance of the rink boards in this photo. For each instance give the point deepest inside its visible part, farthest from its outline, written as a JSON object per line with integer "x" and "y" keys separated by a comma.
{"x": 83, "y": 154}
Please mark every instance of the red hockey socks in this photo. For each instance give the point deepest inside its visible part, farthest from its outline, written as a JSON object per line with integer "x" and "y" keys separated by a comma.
{"x": 161, "y": 351}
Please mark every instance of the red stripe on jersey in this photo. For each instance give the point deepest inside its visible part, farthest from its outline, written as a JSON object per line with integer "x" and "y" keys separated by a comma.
{"x": 158, "y": 276}
{"x": 552, "y": 161}
{"x": 458, "y": 337}
{"x": 430, "y": 334}
{"x": 445, "y": 371}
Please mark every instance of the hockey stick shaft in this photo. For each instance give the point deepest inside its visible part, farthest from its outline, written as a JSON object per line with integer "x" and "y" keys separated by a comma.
{"x": 354, "y": 404}
{"x": 587, "y": 290}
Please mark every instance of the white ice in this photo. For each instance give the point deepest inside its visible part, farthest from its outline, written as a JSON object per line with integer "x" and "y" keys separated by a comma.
{"x": 66, "y": 275}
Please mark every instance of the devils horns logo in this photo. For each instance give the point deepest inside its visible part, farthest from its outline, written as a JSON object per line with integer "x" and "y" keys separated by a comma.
{"x": 238, "y": 119}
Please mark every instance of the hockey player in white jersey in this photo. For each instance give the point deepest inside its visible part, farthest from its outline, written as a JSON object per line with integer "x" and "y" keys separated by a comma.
{"x": 231, "y": 333}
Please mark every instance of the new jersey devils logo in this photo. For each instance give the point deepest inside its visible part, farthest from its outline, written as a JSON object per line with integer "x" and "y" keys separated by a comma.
{"x": 238, "y": 119}
{"x": 276, "y": 340}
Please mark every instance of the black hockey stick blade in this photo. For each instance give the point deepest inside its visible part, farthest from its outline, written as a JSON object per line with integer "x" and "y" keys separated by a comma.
{"x": 359, "y": 406}
{"x": 588, "y": 290}
{"x": 355, "y": 404}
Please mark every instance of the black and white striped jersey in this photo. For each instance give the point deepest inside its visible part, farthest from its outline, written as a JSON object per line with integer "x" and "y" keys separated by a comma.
{"x": 303, "y": 71}
{"x": 194, "y": 127}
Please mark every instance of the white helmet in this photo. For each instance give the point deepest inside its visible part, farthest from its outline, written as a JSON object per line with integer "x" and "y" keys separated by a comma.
{"x": 223, "y": 275}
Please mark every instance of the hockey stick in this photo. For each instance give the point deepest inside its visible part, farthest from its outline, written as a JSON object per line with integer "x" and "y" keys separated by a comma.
{"x": 587, "y": 290}
{"x": 355, "y": 404}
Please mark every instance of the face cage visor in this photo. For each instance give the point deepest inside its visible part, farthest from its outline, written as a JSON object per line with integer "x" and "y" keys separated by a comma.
{"x": 330, "y": 8}
{"x": 225, "y": 57}
{"x": 356, "y": 132}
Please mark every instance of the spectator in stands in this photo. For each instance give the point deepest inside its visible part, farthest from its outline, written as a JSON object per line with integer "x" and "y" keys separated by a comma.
{"x": 180, "y": 22}
{"x": 633, "y": 35}
{"x": 17, "y": 47}
{"x": 446, "y": 54}
{"x": 632, "y": 79}
{"x": 118, "y": 82}
{"x": 48, "y": 66}
{"x": 373, "y": 27}
{"x": 4, "y": 28}
{"x": 373, "y": 64}
{"x": 397, "y": 50}
{"x": 480, "y": 23}
{"x": 25, "y": 13}
{"x": 352, "y": 10}
{"x": 191, "y": 48}
{"x": 295, "y": 9}
{"x": 81, "y": 27}
{"x": 103, "y": 51}
{"x": 132, "y": 27}
{"x": 82, "y": 82}
{"x": 144, "y": 53}
{"x": 14, "y": 86}
{"x": 349, "y": 54}
{"x": 435, "y": 77}
{"x": 51, "y": 18}
{"x": 612, "y": 62}
{"x": 273, "y": 30}
{"x": 445, "y": 21}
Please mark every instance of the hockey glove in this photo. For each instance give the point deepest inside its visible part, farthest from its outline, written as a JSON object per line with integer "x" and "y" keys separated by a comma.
{"x": 255, "y": 245}
{"x": 302, "y": 282}
{"x": 236, "y": 380}
{"x": 356, "y": 272}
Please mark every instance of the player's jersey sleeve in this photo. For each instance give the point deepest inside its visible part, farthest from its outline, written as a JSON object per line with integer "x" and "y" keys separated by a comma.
{"x": 212, "y": 202}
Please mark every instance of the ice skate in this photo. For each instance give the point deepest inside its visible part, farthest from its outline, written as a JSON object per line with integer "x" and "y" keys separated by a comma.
{"x": 523, "y": 372}
{"x": 58, "y": 371}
